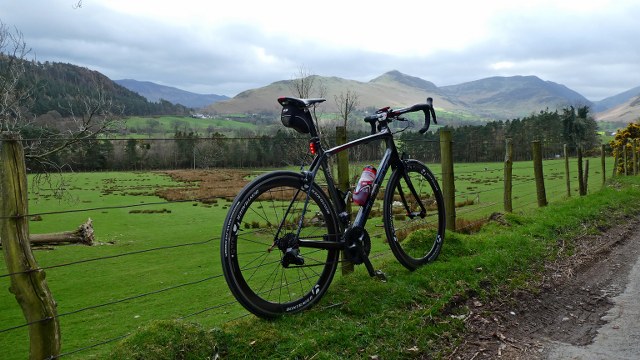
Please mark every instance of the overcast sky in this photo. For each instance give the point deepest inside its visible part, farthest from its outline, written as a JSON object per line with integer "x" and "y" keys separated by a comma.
{"x": 225, "y": 47}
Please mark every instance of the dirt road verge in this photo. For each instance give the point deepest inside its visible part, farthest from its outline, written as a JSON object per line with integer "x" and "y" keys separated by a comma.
{"x": 566, "y": 310}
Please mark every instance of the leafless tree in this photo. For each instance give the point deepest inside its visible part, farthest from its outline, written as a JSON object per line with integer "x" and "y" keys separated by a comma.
{"x": 305, "y": 85}
{"x": 346, "y": 104}
{"x": 92, "y": 112}
{"x": 14, "y": 96}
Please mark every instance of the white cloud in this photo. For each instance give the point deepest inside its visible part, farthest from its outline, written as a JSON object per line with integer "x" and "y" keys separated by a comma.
{"x": 199, "y": 45}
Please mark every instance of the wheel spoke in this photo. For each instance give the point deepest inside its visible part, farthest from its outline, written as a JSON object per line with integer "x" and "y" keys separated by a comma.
{"x": 268, "y": 214}
{"x": 401, "y": 215}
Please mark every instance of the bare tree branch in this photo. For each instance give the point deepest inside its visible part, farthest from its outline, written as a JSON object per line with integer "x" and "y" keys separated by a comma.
{"x": 304, "y": 85}
{"x": 94, "y": 114}
{"x": 92, "y": 111}
{"x": 14, "y": 96}
{"x": 347, "y": 104}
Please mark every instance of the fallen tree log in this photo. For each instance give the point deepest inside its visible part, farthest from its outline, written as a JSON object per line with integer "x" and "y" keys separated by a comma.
{"x": 82, "y": 235}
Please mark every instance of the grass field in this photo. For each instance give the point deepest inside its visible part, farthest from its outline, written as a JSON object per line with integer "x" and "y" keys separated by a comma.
{"x": 166, "y": 126}
{"x": 118, "y": 231}
{"x": 164, "y": 263}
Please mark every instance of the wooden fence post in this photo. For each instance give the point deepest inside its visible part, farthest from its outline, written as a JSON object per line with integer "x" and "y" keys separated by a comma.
{"x": 566, "y": 169}
{"x": 624, "y": 158}
{"x": 448, "y": 184}
{"x": 343, "y": 185}
{"x": 581, "y": 187}
{"x": 537, "y": 169}
{"x": 603, "y": 163}
{"x": 28, "y": 282}
{"x": 508, "y": 175}
{"x": 586, "y": 177}
{"x": 634, "y": 150}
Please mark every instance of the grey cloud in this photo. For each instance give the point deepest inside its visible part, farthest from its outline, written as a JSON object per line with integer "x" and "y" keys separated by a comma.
{"x": 594, "y": 55}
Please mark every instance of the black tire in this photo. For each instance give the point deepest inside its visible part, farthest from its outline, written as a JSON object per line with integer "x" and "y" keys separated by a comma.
{"x": 251, "y": 264}
{"x": 414, "y": 251}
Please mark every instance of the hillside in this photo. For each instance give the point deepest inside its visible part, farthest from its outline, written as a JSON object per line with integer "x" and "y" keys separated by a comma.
{"x": 155, "y": 92}
{"x": 494, "y": 98}
{"x": 63, "y": 88}
{"x": 376, "y": 93}
{"x": 514, "y": 96}
{"x": 616, "y": 100}
{"x": 491, "y": 98}
{"x": 628, "y": 111}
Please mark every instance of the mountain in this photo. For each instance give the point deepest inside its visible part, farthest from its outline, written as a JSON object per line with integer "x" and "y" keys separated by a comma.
{"x": 154, "y": 92}
{"x": 614, "y": 101}
{"x": 64, "y": 89}
{"x": 497, "y": 98}
{"x": 514, "y": 96}
{"x": 493, "y": 98}
{"x": 391, "y": 89}
{"x": 400, "y": 78}
{"x": 628, "y": 111}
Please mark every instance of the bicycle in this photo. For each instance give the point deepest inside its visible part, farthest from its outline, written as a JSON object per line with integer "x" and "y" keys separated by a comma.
{"x": 283, "y": 235}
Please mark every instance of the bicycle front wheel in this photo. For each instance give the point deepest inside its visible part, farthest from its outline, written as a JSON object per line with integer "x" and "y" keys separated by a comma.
{"x": 413, "y": 201}
{"x": 266, "y": 269}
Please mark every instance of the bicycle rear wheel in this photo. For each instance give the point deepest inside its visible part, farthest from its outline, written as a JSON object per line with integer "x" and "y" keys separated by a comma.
{"x": 403, "y": 215}
{"x": 266, "y": 270}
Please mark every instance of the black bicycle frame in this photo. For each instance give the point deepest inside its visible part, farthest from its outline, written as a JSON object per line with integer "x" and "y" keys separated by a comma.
{"x": 389, "y": 159}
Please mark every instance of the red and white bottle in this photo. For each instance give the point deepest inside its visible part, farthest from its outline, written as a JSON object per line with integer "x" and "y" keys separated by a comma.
{"x": 363, "y": 189}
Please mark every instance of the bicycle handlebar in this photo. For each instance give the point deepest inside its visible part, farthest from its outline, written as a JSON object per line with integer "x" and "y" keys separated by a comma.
{"x": 388, "y": 113}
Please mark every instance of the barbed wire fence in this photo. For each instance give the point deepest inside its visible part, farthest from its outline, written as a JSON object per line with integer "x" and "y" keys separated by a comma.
{"x": 477, "y": 197}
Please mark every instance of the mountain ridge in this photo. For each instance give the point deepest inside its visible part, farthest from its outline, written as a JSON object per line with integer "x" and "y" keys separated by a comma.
{"x": 618, "y": 99}
{"x": 491, "y": 98}
{"x": 155, "y": 92}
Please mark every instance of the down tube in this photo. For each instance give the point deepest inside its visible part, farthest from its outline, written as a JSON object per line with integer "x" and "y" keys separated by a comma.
{"x": 363, "y": 213}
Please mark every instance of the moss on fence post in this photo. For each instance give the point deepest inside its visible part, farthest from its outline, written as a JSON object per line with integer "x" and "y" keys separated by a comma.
{"x": 634, "y": 156}
{"x": 537, "y": 169}
{"x": 448, "y": 184}
{"x": 28, "y": 282}
{"x": 566, "y": 168}
{"x": 508, "y": 175}
{"x": 343, "y": 185}
{"x": 603, "y": 162}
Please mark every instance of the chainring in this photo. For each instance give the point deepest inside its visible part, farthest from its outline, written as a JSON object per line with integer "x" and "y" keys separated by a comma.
{"x": 357, "y": 241}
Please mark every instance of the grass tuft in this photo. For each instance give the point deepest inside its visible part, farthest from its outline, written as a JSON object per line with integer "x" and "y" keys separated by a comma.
{"x": 172, "y": 340}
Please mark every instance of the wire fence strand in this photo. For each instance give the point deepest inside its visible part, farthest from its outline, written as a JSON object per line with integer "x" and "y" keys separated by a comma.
{"x": 463, "y": 172}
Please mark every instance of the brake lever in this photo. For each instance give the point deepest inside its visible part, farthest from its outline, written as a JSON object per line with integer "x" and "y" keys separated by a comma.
{"x": 428, "y": 112}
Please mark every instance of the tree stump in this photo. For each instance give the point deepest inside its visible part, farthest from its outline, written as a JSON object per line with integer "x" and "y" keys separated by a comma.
{"x": 82, "y": 235}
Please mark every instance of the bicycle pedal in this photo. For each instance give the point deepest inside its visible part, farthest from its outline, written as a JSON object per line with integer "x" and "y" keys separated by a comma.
{"x": 381, "y": 276}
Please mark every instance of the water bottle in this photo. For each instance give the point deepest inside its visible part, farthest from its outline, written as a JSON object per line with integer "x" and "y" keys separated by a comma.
{"x": 363, "y": 189}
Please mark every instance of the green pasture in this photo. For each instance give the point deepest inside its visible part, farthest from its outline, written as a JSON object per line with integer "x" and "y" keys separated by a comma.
{"x": 480, "y": 186}
{"x": 107, "y": 298}
{"x": 483, "y": 184}
{"x": 163, "y": 126}
{"x": 118, "y": 231}
{"x": 418, "y": 314}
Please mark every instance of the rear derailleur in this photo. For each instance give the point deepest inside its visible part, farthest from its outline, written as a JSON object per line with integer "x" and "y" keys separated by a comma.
{"x": 288, "y": 244}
